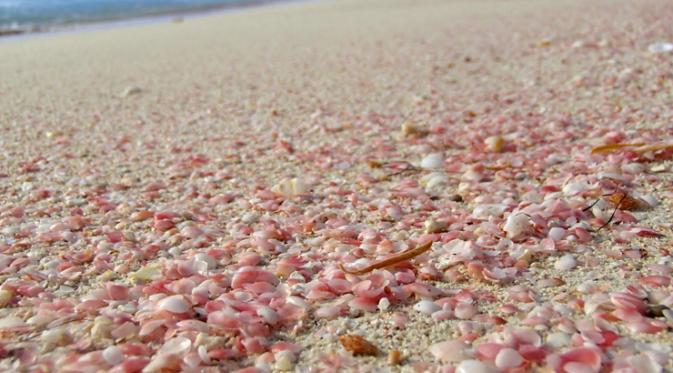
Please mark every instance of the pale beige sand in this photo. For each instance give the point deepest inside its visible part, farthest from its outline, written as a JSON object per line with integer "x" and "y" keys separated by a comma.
{"x": 300, "y": 69}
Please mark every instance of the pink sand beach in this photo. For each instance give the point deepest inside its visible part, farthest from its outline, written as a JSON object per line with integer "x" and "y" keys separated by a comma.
{"x": 245, "y": 192}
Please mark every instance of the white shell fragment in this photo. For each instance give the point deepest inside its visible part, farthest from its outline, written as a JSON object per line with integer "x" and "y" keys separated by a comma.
{"x": 427, "y": 307}
{"x": 565, "y": 263}
{"x": 174, "y": 304}
{"x": 290, "y": 187}
{"x": 432, "y": 161}
{"x": 660, "y": 47}
{"x": 516, "y": 225}
{"x": 473, "y": 366}
{"x": 449, "y": 351}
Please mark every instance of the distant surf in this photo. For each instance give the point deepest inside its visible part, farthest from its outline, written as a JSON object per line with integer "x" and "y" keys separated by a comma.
{"x": 22, "y": 16}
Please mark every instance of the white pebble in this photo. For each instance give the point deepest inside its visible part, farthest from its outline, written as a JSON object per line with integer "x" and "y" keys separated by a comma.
{"x": 269, "y": 315}
{"x": 56, "y": 337}
{"x": 284, "y": 360}
{"x": 633, "y": 168}
{"x": 290, "y": 187}
{"x": 576, "y": 187}
{"x": 427, "y": 307}
{"x": 472, "y": 176}
{"x": 147, "y": 273}
{"x": 464, "y": 311}
{"x": 558, "y": 339}
{"x": 177, "y": 345}
{"x": 508, "y": 358}
{"x": 435, "y": 182}
{"x": 557, "y": 233}
{"x": 174, "y": 304}
{"x": 130, "y": 91}
{"x": 39, "y": 320}
{"x": 250, "y": 218}
{"x": 643, "y": 363}
{"x": 532, "y": 196}
{"x": 576, "y": 367}
{"x": 473, "y": 366}
{"x": 297, "y": 301}
{"x": 494, "y": 144}
{"x": 209, "y": 260}
{"x": 660, "y": 47}
{"x": 566, "y": 263}
{"x": 5, "y": 297}
{"x": 384, "y": 304}
{"x": 442, "y": 315}
{"x": 650, "y": 199}
{"x": 449, "y": 351}
{"x": 516, "y": 225}
{"x": 11, "y": 322}
{"x": 432, "y": 161}
{"x": 434, "y": 226}
{"x": 486, "y": 210}
{"x": 113, "y": 355}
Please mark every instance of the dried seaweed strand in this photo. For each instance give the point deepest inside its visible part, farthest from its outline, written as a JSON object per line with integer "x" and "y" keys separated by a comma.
{"x": 405, "y": 170}
{"x": 653, "y": 148}
{"x": 591, "y": 205}
{"x": 613, "y": 213}
{"x": 636, "y": 147}
{"x": 405, "y": 255}
{"x": 608, "y": 148}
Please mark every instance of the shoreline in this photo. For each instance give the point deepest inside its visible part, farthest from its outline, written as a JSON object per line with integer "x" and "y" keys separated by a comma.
{"x": 174, "y": 16}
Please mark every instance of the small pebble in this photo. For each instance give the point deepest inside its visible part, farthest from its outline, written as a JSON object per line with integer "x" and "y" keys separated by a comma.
{"x": 55, "y": 337}
{"x": 394, "y": 357}
{"x": 113, "y": 355}
{"x": 174, "y": 304}
{"x": 434, "y": 226}
{"x": 11, "y": 322}
{"x": 384, "y": 304}
{"x": 284, "y": 360}
{"x": 411, "y": 129}
{"x": 474, "y": 366}
{"x": 516, "y": 225}
{"x": 427, "y": 307}
{"x": 508, "y": 358}
{"x": 432, "y": 161}
{"x": 5, "y": 297}
{"x": 558, "y": 339}
{"x": 130, "y": 91}
{"x": 660, "y": 47}
{"x": 449, "y": 351}
{"x": 565, "y": 263}
{"x": 494, "y": 144}
{"x": 557, "y": 233}
{"x": 465, "y": 311}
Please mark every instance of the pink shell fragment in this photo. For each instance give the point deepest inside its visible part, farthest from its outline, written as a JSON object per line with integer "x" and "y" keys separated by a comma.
{"x": 580, "y": 359}
{"x": 248, "y": 274}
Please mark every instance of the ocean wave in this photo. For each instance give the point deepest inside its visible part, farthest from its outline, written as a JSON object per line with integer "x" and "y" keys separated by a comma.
{"x": 18, "y": 16}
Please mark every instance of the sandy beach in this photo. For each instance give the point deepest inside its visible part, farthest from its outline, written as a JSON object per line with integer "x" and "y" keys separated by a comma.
{"x": 246, "y": 191}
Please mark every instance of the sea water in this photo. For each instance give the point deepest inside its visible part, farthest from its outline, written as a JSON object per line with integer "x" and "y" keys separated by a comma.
{"x": 18, "y": 16}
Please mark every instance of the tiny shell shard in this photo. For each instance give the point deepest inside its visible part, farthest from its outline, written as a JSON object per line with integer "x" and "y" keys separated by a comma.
{"x": 290, "y": 187}
{"x": 411, "y": 129}
{"x": 625, "y": 201}
{"x": 613, "y": 147}
{"x": 174, "y": 304}
{"x": 494, "y": 144}
{"x": 358, "y": 346}
{"x": 394, "y": 357}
